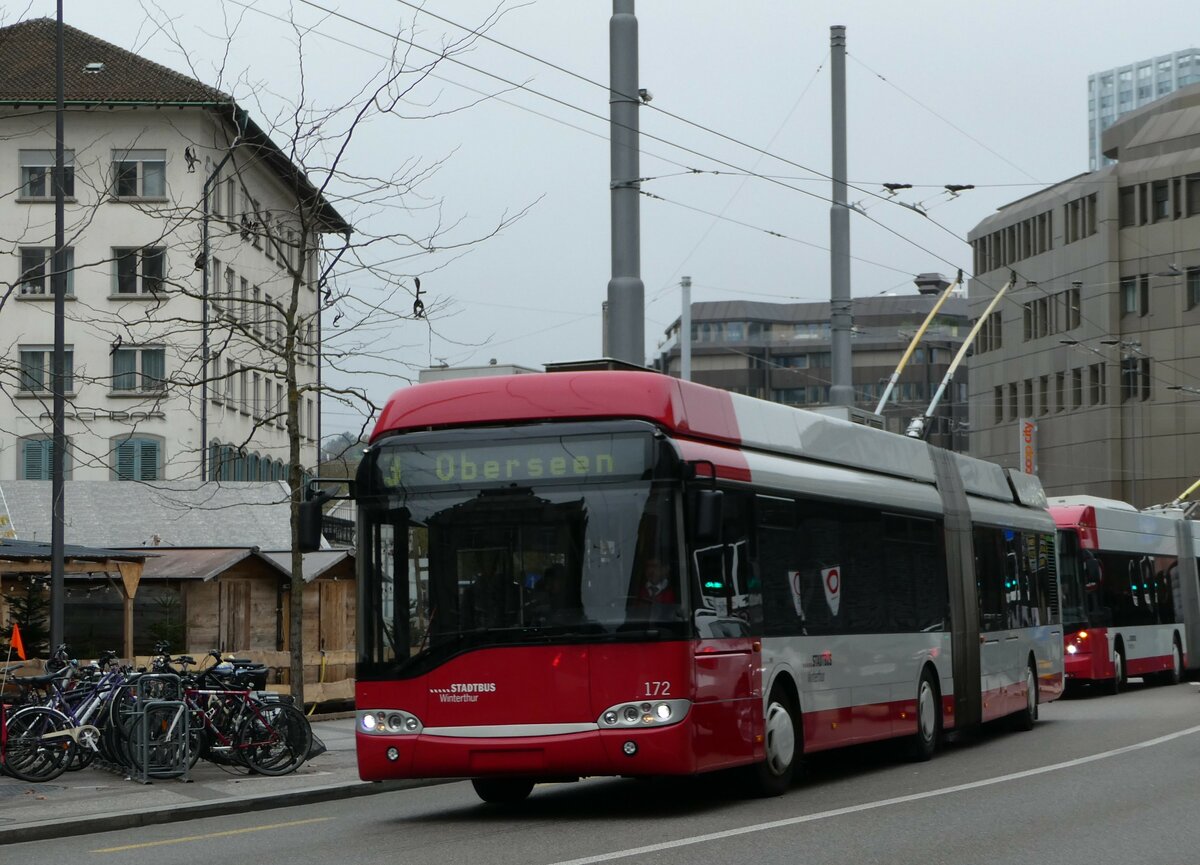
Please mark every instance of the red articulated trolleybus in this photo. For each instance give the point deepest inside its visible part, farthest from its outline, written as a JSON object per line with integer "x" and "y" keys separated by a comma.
{"x": 1130, "y": 593}
{"x": 621, "y": 573}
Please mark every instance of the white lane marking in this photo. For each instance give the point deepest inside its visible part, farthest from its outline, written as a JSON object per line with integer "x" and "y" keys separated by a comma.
{"x": 881, "y": 803}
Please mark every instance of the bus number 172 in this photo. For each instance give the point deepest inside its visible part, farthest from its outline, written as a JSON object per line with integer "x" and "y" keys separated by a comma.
{"x": 658, "y": 689}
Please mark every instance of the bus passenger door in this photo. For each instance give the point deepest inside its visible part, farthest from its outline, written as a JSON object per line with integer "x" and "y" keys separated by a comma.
{"x": 728, "y": 655}
{"x": 997, "y": 646}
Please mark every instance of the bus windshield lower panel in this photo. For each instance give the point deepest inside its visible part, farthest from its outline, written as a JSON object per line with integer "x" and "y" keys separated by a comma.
{"x": 451, "y": 571}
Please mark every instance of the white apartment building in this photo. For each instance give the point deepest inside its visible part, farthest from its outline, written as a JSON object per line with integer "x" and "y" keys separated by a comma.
{"x": 1118, "y": 91}
{"x": 160, "y": 277}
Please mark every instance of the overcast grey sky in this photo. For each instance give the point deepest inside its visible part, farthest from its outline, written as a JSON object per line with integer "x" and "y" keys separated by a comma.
{"x": 939, "y": 92}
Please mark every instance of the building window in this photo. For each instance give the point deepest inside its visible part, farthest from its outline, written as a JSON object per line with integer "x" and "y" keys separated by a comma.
{"x": 1044, "y": 394}
{"x": 35, "y": 457}
{"x": 1193, "y": 195}
{"x": 139, "y": 370}
{"x": 1096, "y": 384}
{"x": 1129, "y": 295}
{"x": 1014, "y": 404}
{"x": 1144, "y": 369}
{"x": 139, "y": 173}
{"x": 37, "y": 269}
{"x": 1160, "y": 198}
{"x": 1193, "y": 287}
{"x": 137, "y": 459}
{"x": 1077, "y": 388}
{"x": 1028, "y": 390}
{"x": 215, "y": 381}
{"x": 37, "y": 169}
{"x": 998, "y": 404}
{"x": 1060, "y": 391}
{"x": 1144, "y": 294}
{"x": 36, "y": 369}
{"x": 140, "y": 271}
{"x": 230, "y": 384}
{"x": 1126, "y": 207}
{"x": 1129, "y": 378}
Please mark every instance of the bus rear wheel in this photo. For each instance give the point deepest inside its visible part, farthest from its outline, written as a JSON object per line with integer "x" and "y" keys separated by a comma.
{"x": 782, "y": 742}
{"x": 1027, "y": 717}
{"x": 1174, "y": 675}
{"x": 502, "y": 791}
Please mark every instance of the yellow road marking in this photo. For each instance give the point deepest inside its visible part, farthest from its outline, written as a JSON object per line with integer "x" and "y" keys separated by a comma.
{"x": 225, "y": 834}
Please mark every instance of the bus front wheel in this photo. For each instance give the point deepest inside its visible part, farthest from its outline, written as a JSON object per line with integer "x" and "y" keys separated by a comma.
{"x": 502, "y": 791}
{"x": 782, "y": 741}
{"x": 924, "y": 743}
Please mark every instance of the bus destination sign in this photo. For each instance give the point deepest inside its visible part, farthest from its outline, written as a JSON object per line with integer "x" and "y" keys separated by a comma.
{"x": 524, "y": 462}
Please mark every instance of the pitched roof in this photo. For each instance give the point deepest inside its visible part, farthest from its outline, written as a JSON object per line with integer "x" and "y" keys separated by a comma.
{"x": 17, "y": 550}
{"x": 27, "y": 58}
{"x": 27, "y": 75}
{"x": 178, "y": 513}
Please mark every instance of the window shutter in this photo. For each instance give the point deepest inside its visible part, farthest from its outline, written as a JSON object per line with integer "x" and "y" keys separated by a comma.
{"x": 126, "y": 461}
{"x": 37, "y": 460}
{"x": 148, "y": 455}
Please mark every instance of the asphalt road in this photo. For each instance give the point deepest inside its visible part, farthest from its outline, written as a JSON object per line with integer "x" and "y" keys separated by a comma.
{"x": 1098, "y": 780}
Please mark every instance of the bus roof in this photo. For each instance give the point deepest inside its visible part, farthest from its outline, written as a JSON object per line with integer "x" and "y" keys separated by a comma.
{"x": 685, "y": 410}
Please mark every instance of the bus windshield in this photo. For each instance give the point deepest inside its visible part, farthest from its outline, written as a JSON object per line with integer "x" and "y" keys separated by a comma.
{"x": 455, "y": 563}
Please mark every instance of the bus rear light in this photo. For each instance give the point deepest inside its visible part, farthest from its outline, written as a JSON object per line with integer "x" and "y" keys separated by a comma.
{"x": 1082, "y": 635}
{"x": 387, "y": 722}
{"x": 628, "y": 715}
{"x": 1072, "y": 649}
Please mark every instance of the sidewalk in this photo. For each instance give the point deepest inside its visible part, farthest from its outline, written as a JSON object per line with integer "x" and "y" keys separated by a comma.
{"x": 93, "y": 800}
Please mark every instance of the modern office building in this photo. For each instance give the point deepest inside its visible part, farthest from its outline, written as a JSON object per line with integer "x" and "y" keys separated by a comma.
{"x": 1115, "y": 92}
{"x": 782, "y": 352}
{"x": 1088, "y": 370}
{"x": 176, "y": 301}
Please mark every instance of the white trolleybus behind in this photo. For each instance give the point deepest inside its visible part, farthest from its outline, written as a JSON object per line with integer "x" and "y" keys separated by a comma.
{"x": 629, "y": 574}
{"x": 1131, "y": 600}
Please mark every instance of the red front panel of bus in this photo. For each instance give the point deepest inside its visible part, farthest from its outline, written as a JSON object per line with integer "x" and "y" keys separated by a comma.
{"x": 473, "y": 707}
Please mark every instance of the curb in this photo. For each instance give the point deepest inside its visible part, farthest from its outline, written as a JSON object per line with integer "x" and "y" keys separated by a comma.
{"x": 49, "y": 829}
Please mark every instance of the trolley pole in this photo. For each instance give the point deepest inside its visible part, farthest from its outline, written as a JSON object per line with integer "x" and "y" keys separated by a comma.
{"x": 626, "y": 292}
{"x": 840, "y": 317}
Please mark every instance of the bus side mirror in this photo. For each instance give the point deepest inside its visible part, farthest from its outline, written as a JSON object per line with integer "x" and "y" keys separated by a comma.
{"x": 1091, "y": 574}
{"x": 706, "y": 516}
{"x": 310, "y": 519}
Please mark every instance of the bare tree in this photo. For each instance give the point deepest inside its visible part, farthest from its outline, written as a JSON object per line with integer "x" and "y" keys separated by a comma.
{"x": 279, "y": 272}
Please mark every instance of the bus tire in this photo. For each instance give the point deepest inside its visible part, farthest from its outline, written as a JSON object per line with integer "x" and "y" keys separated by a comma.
{"x": 783, "y": 742}
{"x": 502, "y": 791}
{"x": 1117, "y": 685}
{"x": 1174, "y": 675}
{"x": 1027, "y": 717}
{"x": 924, "y": 743}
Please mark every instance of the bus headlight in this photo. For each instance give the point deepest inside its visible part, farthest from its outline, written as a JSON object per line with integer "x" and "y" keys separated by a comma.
{"x": 388, "y": 722}
{"x": 626, "y": 715}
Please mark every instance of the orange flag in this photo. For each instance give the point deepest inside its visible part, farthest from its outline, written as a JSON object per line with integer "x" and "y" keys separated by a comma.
{"x": 17, "y": 645}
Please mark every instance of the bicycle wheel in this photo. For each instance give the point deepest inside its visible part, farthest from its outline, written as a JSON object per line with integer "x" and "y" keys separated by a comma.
{"x": 275, "y": 741}
{"x": 38, "y": 748}
{"x": 156, "y": 744}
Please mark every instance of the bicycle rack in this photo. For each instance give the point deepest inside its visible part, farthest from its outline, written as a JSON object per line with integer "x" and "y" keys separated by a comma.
{"x": 163, "y": 749}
